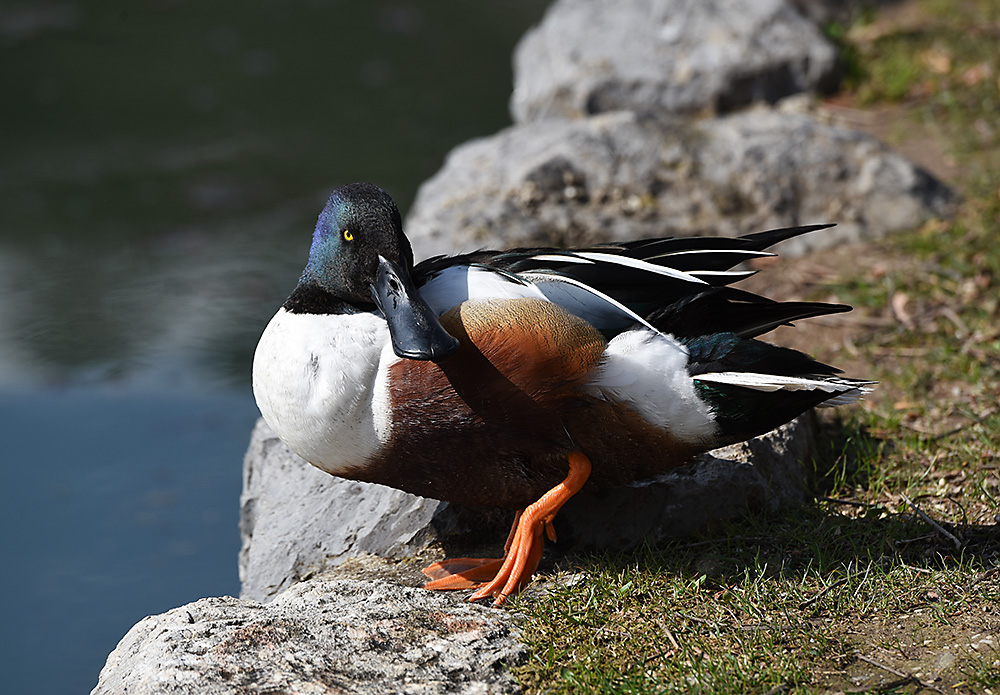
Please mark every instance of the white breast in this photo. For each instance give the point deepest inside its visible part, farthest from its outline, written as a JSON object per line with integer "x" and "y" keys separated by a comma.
{"x": 320, "y": 383}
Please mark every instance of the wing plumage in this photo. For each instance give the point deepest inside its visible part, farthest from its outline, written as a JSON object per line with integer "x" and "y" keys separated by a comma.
{"x": 674, "y": 294}
{"x": 679, "y": 285}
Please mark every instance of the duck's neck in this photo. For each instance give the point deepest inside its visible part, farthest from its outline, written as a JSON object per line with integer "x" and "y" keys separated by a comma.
{"x": 310, "y": 298}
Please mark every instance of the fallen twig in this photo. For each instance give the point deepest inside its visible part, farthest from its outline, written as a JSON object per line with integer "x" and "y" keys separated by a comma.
{"x": 933, "y": 524}
{"x": 890, "y": 669}
{"x": 824, "y": 592}
{"x": 670, "y": 635}
{"x": 983, "y": 575}
{"x": 695, "y": 620}
{"x": 971, "y": 423}
{"x": 904, "y": 678}
{"x": 673, "y": 640}
{"x": 852, "y": 503}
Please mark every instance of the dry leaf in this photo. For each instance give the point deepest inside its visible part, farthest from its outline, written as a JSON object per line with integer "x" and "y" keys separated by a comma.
{"x": 937, "y": 60}
{"x": 976, "y": 74}
{"x": 898, "y": 304}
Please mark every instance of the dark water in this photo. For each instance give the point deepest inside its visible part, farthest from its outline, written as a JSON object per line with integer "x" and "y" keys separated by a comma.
{"x": 161, "y": 167}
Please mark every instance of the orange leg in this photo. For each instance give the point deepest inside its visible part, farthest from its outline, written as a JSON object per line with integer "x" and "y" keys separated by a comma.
{"x": 467, "y": 572}
{"x": 524, "y": 545}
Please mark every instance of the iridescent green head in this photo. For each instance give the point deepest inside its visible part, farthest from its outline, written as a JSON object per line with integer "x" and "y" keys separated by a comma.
{"x": 359, "y": 223}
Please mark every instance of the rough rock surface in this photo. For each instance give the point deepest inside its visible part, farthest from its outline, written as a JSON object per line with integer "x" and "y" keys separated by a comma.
{"x": 678, "y": 56}
{"x": 622, "y": 176}
{"x": 297, "y": 520}
{"x": 326, "y": 635}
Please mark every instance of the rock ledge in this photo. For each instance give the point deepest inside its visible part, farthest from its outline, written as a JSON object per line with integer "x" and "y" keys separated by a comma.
{"x": 326, "y": 635}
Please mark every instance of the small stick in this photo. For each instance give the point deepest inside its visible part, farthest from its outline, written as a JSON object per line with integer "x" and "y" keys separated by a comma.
{"x": 824, "y": 592}
{"x": 972, "y": 423}
{"x": 982, "y": 576}
{"x": 670, "y": 636}
{"x": 933, "y": 524}
{"x": 890, "y": 669}
{"x": 851, "y": 503}
{"x": 906, "y": 677}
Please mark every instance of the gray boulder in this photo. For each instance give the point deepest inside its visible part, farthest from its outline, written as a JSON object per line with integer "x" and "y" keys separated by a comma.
{"x": 678, "y": 56}
{"x": 327, "y": 635}
{"x": 297, "y": 521}
{"x": 621, "y": 176}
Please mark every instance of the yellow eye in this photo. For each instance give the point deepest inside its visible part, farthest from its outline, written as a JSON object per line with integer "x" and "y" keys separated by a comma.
{"x": 348, "y": 236}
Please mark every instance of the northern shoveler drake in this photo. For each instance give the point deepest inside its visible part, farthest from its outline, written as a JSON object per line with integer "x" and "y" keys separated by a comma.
{"x": 515, "y": 378}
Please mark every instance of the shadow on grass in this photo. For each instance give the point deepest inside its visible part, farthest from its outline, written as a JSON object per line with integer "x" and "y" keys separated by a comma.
{"x": 833, "y": 534}
{"x": 818, "y": 598}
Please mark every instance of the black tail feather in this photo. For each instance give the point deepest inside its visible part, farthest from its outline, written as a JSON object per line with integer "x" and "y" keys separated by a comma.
{"x": 758, "y": 241}
{"x": 731, "y": 311}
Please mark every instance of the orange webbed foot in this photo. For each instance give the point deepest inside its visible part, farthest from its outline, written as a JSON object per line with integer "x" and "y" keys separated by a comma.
{"x": 466, "y": 572}
{"x": 524, "y": 545}
{"x": 461, "y": 573}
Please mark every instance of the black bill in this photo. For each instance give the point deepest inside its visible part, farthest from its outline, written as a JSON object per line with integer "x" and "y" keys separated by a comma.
{"x": 415, "y": 330}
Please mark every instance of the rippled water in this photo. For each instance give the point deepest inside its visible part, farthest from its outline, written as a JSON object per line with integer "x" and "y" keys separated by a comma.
{"x": 163, "y": 163}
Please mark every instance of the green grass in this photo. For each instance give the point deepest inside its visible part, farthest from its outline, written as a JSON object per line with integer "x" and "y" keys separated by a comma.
{"x": 768, "y": 602}
{"x": 893, "y": 574}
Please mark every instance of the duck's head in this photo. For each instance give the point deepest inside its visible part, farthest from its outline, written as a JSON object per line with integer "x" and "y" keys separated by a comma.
{"x": 360, "y": 255}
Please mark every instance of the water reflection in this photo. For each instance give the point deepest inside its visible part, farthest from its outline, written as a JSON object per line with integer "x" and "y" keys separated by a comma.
{"x": 163, "y": 164}
{"x": 182, "y": 309}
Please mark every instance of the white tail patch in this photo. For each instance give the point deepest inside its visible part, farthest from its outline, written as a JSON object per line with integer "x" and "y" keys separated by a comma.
{"x": 647, "y": 371}
{"x": 843, "y": 391}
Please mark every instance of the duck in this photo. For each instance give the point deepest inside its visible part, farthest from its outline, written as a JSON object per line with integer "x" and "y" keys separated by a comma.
{"x": 516, "y": 378}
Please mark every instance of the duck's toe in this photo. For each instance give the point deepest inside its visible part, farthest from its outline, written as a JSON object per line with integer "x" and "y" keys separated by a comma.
{"x": 501, "y": 578}
{"x": 520, "y": 562}
{"x": 461, "y": 573}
